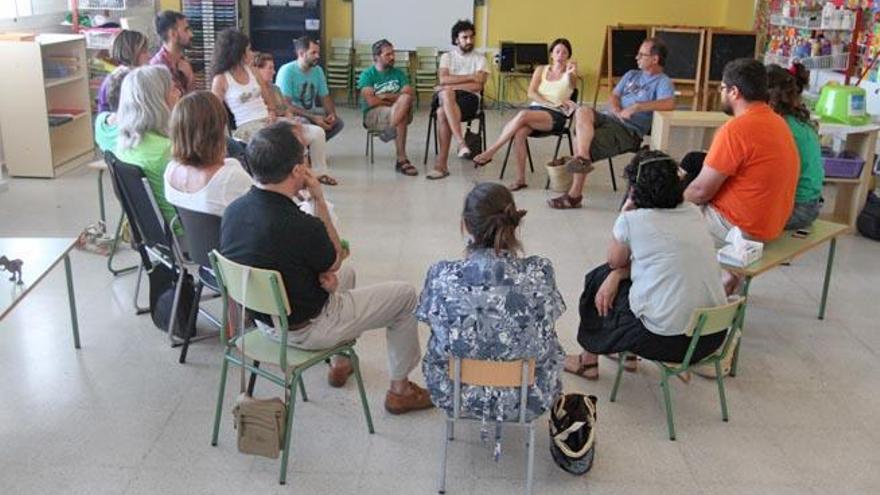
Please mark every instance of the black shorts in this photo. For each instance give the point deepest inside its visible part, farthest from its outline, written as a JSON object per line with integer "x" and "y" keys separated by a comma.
{"x": 559, "y": 118}
{"x": 468, "y": 103}
{"x": 621, "y": 330}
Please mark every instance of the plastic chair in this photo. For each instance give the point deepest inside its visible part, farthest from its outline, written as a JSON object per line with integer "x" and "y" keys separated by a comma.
{"x": 427, "y": 59}
{"x": 339, "y": 66}
{"x": 510, "y": 374}
{"x": 480, "y": 117}
{"x": 704, "y": 321}
{"x": 266, "y": 294}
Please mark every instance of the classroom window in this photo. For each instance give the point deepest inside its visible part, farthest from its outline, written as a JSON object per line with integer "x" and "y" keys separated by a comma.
{"x": 13, "y": 9}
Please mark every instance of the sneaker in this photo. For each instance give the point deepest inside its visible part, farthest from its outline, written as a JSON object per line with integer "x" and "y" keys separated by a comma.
{"x": 389, "y": 134}
{"x": 464, "y": 152}
{"x": 414, "y": 399}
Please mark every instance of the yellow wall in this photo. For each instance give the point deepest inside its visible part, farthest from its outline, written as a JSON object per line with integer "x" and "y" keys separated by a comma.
{"x": 169, "y": 5}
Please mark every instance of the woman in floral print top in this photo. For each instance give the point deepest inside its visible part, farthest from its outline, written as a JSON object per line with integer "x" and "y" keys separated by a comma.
{"x": 492, "y": 305}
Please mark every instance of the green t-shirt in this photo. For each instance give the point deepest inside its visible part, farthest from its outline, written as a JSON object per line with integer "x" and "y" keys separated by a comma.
{"x": 809, "y": 186}
{"x": 152, "y": 154}
{"x": 391, "y": 80}
{"x": 105, "y": 134}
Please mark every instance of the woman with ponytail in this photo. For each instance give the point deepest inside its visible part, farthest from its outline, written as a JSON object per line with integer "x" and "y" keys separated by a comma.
{"x": 493, "y": 305}
{"x": 661, "y": 266}
{"x": 785, "y": 88}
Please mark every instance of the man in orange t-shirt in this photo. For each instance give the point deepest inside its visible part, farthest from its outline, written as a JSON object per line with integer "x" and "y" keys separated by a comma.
{"x": 751, "y": 170}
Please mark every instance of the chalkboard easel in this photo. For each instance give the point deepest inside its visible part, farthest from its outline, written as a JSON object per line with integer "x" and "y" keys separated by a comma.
{"x": 622, "y": 43}
{"x": 684, "y": 63}
{"x": 723, "y": 46}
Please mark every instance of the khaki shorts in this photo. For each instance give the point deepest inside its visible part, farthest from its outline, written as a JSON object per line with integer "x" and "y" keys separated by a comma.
{"x": 612, "y": 138}
{"x": 379, "y": 118}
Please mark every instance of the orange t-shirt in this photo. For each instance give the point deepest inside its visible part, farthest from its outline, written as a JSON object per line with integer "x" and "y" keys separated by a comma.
{"x": 757, "y": 153}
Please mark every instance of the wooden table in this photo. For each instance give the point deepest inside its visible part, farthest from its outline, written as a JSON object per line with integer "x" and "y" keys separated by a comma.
{"x": 851, "y": 193}
{"x": 39, "y": 255}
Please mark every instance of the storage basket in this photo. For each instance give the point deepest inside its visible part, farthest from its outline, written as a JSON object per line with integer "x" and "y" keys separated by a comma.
{"x": 847, "y": 165}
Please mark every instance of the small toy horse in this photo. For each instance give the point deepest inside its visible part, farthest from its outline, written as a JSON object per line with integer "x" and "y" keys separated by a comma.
{"x": 13, "y": 267}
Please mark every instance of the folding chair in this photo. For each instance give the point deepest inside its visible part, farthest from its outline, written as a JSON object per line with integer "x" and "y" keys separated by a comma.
{"x": 509, "y": 374}
{"x": 262, "y": 291}
{"x": 704, "y": 321}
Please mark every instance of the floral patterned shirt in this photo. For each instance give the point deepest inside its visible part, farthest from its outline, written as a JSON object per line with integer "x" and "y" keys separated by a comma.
{"x": 493, "y": 307}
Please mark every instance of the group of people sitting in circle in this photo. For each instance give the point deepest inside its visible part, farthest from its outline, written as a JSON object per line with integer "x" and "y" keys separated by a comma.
{"x": 762, "y": 174}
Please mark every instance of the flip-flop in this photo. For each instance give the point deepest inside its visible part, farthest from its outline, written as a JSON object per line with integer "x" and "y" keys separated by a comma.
{"x": 327, "y": 180}
{"x": 582, "y": 369}
{"x": 478, "y": 164}
{"x": 517, "y": 186}
{"x": 437, "y": 174}
{"x": 406, "y": 168}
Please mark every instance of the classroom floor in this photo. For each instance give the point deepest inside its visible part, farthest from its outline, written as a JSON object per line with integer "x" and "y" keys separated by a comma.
{"x": 122, "y": 416}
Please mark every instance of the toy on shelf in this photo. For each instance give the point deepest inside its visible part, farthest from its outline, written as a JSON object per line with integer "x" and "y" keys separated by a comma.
{"x": 13, "y": 267}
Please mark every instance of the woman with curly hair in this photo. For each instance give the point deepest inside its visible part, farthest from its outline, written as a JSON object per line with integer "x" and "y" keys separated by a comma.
{"x": 785, "y": 87}
{"x": 661, "y": 266}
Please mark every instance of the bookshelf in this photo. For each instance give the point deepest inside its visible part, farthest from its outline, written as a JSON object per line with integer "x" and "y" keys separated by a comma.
{"x": 50, "y": 83}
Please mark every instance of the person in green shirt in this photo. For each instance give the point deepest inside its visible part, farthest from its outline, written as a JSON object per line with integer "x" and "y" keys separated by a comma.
{"x": 387, "y": 102}
{"x": 105, "y": 123}
{"x": 785, "y": 87}
{"x": 145, "y": 103}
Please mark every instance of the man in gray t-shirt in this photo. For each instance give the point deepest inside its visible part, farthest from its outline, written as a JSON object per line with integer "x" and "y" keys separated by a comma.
{"x": 622, "y": 126}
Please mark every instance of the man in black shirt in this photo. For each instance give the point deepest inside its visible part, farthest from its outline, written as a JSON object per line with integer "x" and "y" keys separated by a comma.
{"x": 265, "y": 229}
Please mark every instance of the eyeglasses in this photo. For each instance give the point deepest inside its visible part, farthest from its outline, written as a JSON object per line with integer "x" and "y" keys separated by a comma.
{"x": 643, "y": 55}
{"x": 649, "y": 161}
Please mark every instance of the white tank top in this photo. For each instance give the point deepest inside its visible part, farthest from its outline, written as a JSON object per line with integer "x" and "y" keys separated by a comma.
{"x": 245, "y": 101}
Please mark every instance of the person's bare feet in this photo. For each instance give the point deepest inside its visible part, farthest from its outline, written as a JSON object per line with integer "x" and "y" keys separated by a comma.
{"x": 482, "y": 159}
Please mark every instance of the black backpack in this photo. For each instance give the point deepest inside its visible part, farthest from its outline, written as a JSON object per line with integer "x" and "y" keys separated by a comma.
{"x": 868, "y": 221}
{"x": 162, "y": 286}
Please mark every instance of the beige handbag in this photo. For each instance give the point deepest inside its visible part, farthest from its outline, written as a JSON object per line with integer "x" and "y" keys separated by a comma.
{"x": 259, "y": 422}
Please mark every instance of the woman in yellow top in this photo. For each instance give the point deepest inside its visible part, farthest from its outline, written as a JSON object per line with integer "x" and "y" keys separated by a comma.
{"x": 550, "y": 90}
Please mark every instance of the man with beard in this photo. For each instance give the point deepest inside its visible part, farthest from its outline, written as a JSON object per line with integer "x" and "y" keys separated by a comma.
{"x": 620, "y": 128}
{"x": 462, "y": 74}
{"x": 751, "y": 171}
{"x": 176, "y": 35}
{"x": 387, "y": 102}
{"x": 302, "y": 81}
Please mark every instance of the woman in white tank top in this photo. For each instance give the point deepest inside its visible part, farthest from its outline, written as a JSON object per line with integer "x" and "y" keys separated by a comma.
{"x": 247, "y": 96}
{"x": 550, "y": 91}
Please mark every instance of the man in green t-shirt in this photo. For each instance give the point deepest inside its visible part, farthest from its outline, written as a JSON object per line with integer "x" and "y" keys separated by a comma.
{"x": 387, "y": 102}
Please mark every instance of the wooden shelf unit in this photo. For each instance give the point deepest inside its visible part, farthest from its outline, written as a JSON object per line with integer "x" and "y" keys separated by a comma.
{"x": 31, "y": 147}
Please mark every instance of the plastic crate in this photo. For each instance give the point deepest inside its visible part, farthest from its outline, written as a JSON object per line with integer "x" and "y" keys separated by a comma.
{"x": 847, "y": 165}
{"x": 100, "y": 38}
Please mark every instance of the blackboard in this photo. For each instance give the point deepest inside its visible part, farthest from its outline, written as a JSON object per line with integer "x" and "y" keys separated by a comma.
{"x": 625, "y": 42}
{"x": 724, "y": 47}
{"x": 685, "y": 50}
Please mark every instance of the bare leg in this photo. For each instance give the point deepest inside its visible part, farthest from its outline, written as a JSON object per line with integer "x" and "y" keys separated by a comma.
{"x": 584, "y": 121}
{"x": 453, "y": 113}
{"x": 534, "y": 119}
{"x": 400, "y": 113}
{"x": 519, "y": 146}
{"x": 445, "y": 134}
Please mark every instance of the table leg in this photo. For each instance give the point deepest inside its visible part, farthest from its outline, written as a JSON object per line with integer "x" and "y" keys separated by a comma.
{"x": 828, "y": 268}
{"x": 72, "y": 301}
{"x": 745, "y": 294}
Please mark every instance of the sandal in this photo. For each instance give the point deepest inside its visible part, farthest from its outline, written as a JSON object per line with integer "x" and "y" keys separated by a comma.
{"x": 437, "y": 174}
{"x": 516, "y": 186}
{"x": 582, "y": 368}
{"x": 406, "y": 168}
{"x": 480, "y": 163}
{"x": 565, "y": 202}
{"x": 327, "y": 180}
{"x": 630, "y": 362}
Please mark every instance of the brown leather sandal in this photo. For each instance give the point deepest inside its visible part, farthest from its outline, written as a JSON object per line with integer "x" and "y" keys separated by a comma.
{"x": 583, "y": 368}
{"x": 565, "y": 202}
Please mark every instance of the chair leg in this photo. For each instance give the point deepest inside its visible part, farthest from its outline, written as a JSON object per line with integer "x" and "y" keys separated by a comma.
{"x": 506, "y": 157}
{"x": 191, "y": 323}
{"x": 483, "y": 129}
{"x": 720, "y": 379}
{"x": 441, "y": 480}
{"x": 428, "y": 139}
{"x": 530, "y": 458}
{"x": 355, "y": 364}
{"x": 224, "y": 368}
{"x": 114, "y": 247}
{"x": 617, "y": 378}
{"x": 291, "y": 406}
{"x": 613, "y": 177}
{"x": 367, "y": 145}
{"x": 570, "y": 144}
{"x": 667, "y": 399}
{"x": 302, "y": 389}
{"x": 558, "y": 144}
{"x": 529, "y": 155}
{"x": 252, "y": 381}
{"x": 137, "y": 291}
{"x": 175, "y": 306}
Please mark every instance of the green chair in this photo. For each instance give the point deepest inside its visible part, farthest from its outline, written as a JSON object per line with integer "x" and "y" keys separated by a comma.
{"x": 704, "y": 321}
{"x": 427, "y": 59}
{"x": 266, "y": 294}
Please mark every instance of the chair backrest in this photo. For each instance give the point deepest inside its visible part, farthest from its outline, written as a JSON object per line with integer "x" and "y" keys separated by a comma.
{"x": 716, "y": 319}
{"x": 341, "y": 43}
{"x": 202, "y": 234}
{"x": 138, "y": 205}
{"x": 265, "y": 288}
{"x": 110, "y": 159}
{"x": 519, "y": 373}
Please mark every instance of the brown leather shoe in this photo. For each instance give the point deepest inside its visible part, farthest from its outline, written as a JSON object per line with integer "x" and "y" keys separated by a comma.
{"x": 338, "y": 374}
{"x": 414, "y": 399}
